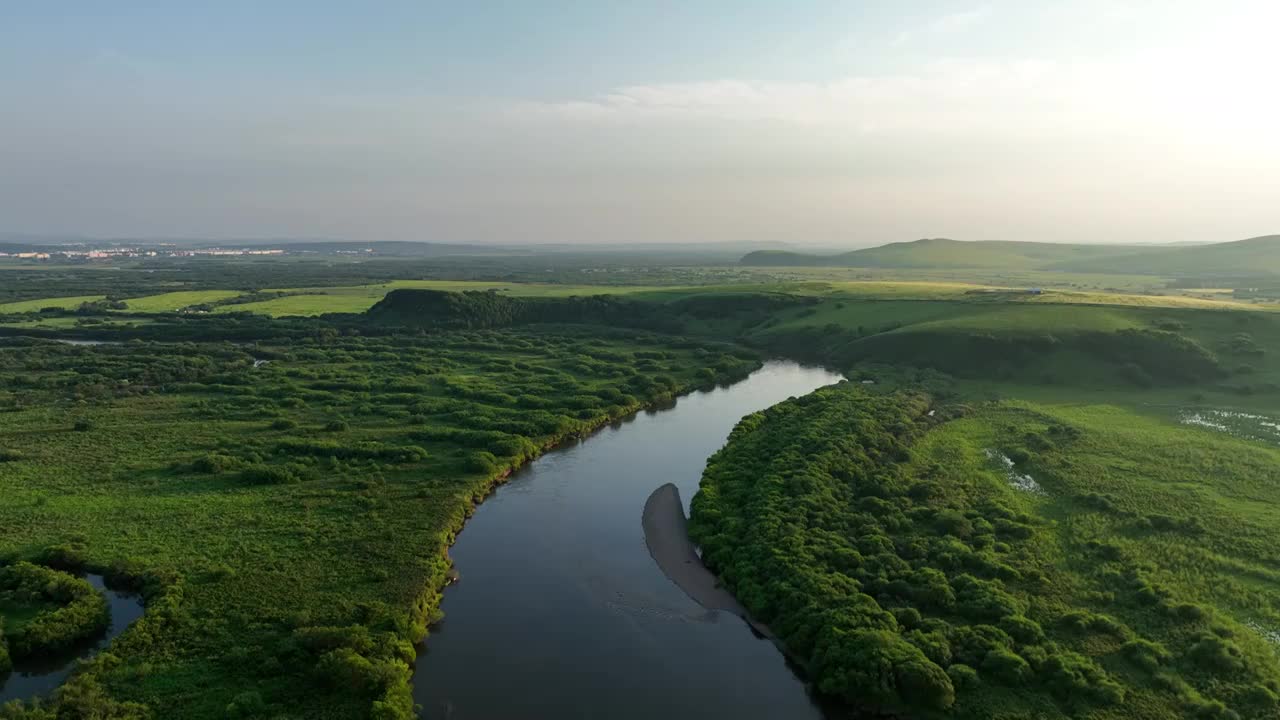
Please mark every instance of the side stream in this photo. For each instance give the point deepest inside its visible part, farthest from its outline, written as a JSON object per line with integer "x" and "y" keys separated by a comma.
{"x": 39, "y": 678}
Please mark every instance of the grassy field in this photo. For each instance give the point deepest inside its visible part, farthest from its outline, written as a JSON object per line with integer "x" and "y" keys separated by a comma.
{"x": 941, "y": 253}
{"x": 356, "y": 299}
{"x": 174, "y": 301}
{"x": 1254, "y": 257}
{"x": 314, "y": 301}
{"x": 69, "y": 303}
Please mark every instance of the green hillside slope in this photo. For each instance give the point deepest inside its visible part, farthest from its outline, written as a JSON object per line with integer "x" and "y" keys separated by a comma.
{"x": 1244, "y": 258}
{"x": 942, "y": 253}
{"x": 1255, "y": 257}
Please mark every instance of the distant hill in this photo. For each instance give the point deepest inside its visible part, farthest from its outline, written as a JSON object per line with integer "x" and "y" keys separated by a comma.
{"x": 379, "y": 247}
{"x": 943, "y": 253}
{"x": 1254, "y": 257}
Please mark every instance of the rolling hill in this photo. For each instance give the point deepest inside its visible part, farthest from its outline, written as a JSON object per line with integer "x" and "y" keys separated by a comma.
{"x": 1254, "y": 257}
{"x": 1244, "y": 258}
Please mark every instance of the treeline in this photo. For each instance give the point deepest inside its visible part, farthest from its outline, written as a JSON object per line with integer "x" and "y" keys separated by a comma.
{"x": 731, "y": 312}
{"x": 1142, "y": 357}
{"x": 914, "y": 584}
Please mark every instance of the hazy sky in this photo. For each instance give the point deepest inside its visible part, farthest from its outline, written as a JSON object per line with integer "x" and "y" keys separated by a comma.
{"x": 806, "y": 121}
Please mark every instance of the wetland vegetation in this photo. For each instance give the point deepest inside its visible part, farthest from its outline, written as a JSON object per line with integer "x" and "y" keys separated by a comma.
{"x": 1054, "y": 504}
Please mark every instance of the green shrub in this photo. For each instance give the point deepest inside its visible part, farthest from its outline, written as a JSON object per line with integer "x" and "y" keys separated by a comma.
{"x": 1024, "y": 631}
{"x": 214, "y": 463}
{"x": 877, "y": 665}
{"x": 482, "y": 461}
{"x": 1006, "y": 666}
{"x": 66, "y": 556}
{"x": 1146, "y": 654}
{"x": 6, "y": 664}
{"x": 1073, "y": 677}
{"x": 1217, "y": 654}
{"x": 269, "y": 475}
{"x": 963, "y": 677}
{"x": 247, "y": 704}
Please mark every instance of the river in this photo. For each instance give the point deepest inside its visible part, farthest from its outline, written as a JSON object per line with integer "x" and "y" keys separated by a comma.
{"x": 32, "y": 678}
{"x": 561, "y": 612}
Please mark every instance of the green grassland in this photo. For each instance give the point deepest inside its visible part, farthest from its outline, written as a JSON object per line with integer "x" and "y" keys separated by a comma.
{"x": 320, "y": 301}
{"x": 174, "y": 301}
{"x": 288, "y": 521}
{"x": 999, "y": 277}
{"x": 943, "y": 253}
{"x": 1039, "y": 339}
{"x": 1253, "y": 257}
{"x": 1243, "y": 258}
{"x": 356, "y": 299}
{"x": 315, "y": 301}
{"x": 69, "y": 303}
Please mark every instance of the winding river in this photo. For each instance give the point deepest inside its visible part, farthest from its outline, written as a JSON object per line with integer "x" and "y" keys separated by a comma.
{"x": 561, "y": 612}
{"x": 32, "y": 678}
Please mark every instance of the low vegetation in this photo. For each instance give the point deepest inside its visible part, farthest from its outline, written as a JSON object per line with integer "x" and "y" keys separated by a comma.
{"x": 287, "y": 520}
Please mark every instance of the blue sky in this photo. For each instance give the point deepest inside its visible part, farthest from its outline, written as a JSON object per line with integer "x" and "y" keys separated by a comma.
{"x": 810, "y": 122}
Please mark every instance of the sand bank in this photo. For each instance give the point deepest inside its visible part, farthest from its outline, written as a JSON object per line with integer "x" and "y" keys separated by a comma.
{"x": 666, "y": 534}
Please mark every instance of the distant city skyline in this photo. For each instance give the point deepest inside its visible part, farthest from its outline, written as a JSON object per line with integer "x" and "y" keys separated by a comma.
{"x": 814, "y": 123}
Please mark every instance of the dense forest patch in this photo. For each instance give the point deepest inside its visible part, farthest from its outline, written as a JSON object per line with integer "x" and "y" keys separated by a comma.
{"x": 895, "y": 558}
{"x": 1080, "y": 346}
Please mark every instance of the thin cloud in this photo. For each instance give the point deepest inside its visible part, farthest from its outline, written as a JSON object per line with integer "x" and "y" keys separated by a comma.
{"x": 943, "y": 96}
{"x": 948, "y": 24}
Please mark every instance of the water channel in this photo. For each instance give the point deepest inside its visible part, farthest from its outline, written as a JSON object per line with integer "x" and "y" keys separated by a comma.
{"x": 562, "y": 613}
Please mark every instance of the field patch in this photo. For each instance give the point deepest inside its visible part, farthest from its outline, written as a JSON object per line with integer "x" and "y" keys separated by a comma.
{"x": 65, "y": 303}
{"x": 311, "y": 302}
{"x": 174, "y": 301}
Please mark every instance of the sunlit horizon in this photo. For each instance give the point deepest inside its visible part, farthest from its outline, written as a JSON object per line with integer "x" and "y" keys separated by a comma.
{"x": 818, "y": 125}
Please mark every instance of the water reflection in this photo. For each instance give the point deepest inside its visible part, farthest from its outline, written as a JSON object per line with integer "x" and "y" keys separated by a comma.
{"x": 561, "y": 611}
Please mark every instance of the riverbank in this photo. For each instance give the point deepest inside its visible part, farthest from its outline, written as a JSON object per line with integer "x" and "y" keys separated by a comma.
{"x": 559, "y": 591}
{"x": 426, "y": 611}
{"x": 666, "y": 534}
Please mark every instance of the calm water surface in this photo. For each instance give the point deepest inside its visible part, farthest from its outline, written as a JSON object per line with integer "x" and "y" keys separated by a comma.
{"x": 39, "y": 678}
{"x": 561, "y": 612}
